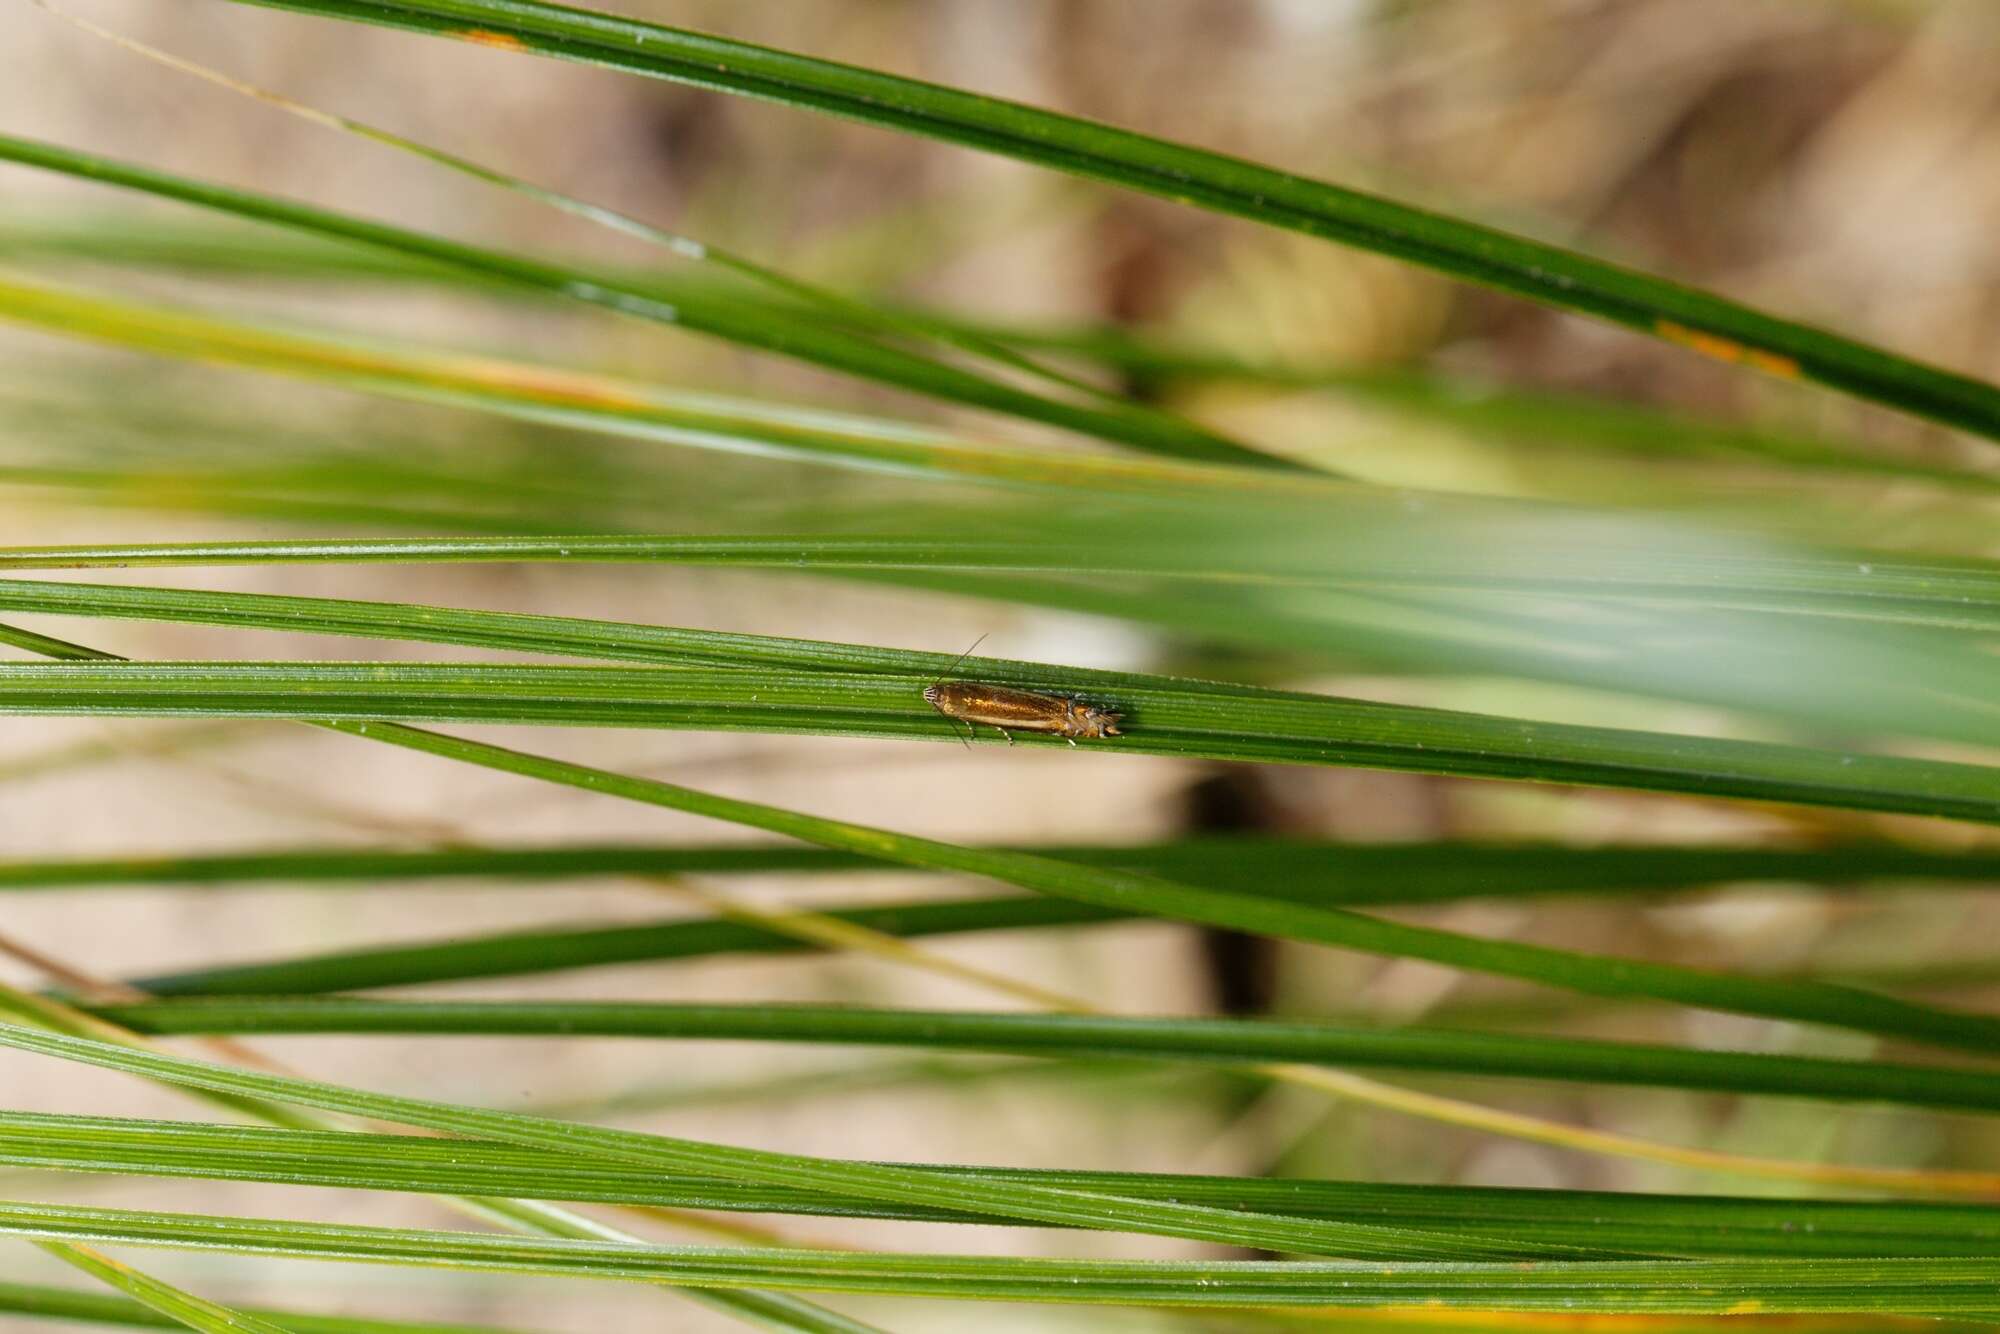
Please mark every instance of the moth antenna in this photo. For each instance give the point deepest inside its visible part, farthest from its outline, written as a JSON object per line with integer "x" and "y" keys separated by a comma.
{"x": 960, "y": 658}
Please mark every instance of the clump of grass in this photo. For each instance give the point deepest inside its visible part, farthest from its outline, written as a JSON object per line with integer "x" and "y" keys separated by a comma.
{"x": 1849, "y": 681}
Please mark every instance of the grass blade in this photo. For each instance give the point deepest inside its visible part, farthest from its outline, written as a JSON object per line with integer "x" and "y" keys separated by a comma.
{"x": 1327, "y": 871}
{"x": 183, "y": 1308}
{"x": 67, "y": 1304}
{"x": 1183, "y": 719}
{"x": 1935, "y": 1287}
{"x": 1680, "y": 1225}
{"x": 1087, "y": 1036}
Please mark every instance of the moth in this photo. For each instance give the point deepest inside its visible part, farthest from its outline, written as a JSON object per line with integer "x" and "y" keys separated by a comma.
{"x": 1004, "y": 707}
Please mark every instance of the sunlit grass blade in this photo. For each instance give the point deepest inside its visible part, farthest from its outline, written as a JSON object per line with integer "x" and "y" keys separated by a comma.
{"x": 769, "y": 328}
{"x": 1701, "y": 320}
{"x": 1685, "y": 1225}
{"x": 1088, "y": 1036}
{"x": 183, "y": 1307}
{"x": 1955, "y": 1286}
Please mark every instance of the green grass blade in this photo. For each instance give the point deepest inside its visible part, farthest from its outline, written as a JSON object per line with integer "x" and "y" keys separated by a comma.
{"x": 1329, "y": 871}
{"x": 517, "y": 953}
{"x": 1303, "y": 872}
{"x": 1190, "y": 720}
{"x": 1956, "y": 1286}
{"x": 67, "y": 1304}
{"x": 1546, "y": 273}
{"x": 902, "y": 1184}
{"x": 182, "y": 1307}
{"x": 768, "y": 328}
{"x": 1677, "y": 1225}
{"x": 524, "y": 953}
{"x": 1084, "y": 1037}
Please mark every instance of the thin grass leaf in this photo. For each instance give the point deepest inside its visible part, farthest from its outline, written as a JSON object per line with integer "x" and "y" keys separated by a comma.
{"x": 1934, "y": 1287}
{"x": 66, "y": 1304}
{"x": 1298, "y": 868}
{"x": 1681, "y": 1225}
{"x": 182, "y": 1307}
{"x": 1563, "y": 278}
{"x": 1301, "y": 872}
{"x": 513, "y": 954}
{"x": 1087, "y": 1036}
{"x": 462, "y": 957}
{"x": 768, "y": 328}
{"x": 1183, "y": 720}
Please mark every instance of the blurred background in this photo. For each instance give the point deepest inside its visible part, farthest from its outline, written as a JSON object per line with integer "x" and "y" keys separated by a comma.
{"x": 1837, "y": 162}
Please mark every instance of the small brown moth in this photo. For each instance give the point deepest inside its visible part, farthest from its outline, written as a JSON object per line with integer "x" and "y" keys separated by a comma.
{"x": 1002, "y": 707}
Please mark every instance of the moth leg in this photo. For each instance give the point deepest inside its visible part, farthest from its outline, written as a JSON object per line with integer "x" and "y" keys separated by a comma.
{"x": 969, "y": 737}
{"x": 1004, "y": 732}
{"x": 1071, "y": 740}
